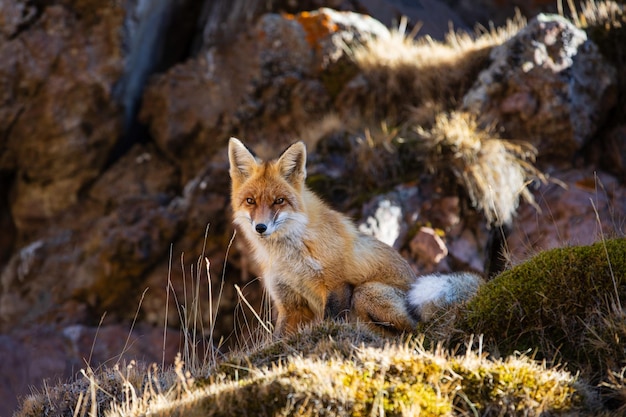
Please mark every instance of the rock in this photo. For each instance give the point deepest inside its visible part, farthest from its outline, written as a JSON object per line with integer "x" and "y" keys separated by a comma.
{"x": 470, "y": 249}
{"x": 141, "y": 172}
{"x": 445, "y": 240}
{"x": 30, "y": 358}
{"x": 385, "y": 224}
{"x": 389, "y": 217}
{"x": 329, "y": 32}
{"x": 40, "y": 353}
{"x": 428, "y": 247}
{"x": 443, "y": 212}
{"x": 277, "y": 77}
{"x": 144, "y": 343}
{"x": 101, "y": 268}
{"x": 70, "y": 78}
{"x": 14, "y": 14}
{"x": 100, "y": 250}
{"x": 608, "y": 151}
{"x": 464, "y": 231}
{"x": 154, "y": 41}
{"x": 58, "y": 117}
{"x": 548, "y": 85}
{"x": 587, "y": 206}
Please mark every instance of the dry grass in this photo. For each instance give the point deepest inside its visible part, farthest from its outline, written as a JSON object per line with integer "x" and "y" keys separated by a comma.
{"x": 614, "y": 390}
{"x": 395, "y": 380}
{"x": 599, "y": 13}
{"x": 341, "y": 377}
{"x": 402, "y": 72}
{"x": 493, "y": 171}
{"x": 199, "y": 348}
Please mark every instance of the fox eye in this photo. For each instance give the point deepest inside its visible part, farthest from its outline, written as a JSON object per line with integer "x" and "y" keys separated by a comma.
{"x": 250, "y": 201}
{"x": 279, "y": 201}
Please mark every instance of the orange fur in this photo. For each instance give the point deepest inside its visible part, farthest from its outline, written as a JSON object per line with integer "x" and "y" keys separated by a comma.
{"x": 314, "y": 261}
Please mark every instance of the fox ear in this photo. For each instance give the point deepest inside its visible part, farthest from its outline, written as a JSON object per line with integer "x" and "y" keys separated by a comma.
{"x": 242, "y": 162}
{"x": 292, "y": 163}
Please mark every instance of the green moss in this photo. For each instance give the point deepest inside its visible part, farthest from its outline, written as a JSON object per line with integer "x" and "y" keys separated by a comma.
{"x": 552, "y": 302}
{"x": 515, "y": 386}
{"x": 397, "y": 386}
{"x": 397, "y": 380}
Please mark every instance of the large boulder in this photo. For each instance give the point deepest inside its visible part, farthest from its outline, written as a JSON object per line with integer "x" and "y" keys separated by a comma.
{"x": 275, "y": 78}
{"x": 548, "y": 85}
{"x": 100, "y": 251}
{"x": 58, "y": 119}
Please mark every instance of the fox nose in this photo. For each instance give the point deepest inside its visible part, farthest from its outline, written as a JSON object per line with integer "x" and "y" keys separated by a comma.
{"x": 260, "y": 228}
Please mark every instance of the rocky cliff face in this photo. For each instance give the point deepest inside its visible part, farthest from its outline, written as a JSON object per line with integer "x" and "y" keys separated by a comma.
{"x": 114, "y": 119}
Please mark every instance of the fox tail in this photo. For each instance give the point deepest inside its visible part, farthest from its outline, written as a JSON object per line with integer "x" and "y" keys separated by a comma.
{"x": 431, "y": 292}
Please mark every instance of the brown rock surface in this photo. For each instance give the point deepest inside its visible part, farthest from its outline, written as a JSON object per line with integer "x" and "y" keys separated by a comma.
{"x": 548, "y": 85}
{"x": 57, "y": 352}
{"x": 99, "y": 252}
{"x": 14, "y": 14}
{"x": 270, "y": 83}
{"x": 582, "y": 208}
{"x": 428, "y": 246}
{"x": 58, "y": 119}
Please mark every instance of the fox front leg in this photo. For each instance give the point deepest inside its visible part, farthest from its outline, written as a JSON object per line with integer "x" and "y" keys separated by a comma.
{"x": 290, "y": 320}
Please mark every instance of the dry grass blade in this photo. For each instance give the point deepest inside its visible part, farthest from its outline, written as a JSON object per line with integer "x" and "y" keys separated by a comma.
{"x": 263, "y": 324}
{"x": 616, "y": 386}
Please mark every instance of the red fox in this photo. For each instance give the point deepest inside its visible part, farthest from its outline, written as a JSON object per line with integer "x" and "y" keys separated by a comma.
{"x": 314, "y": 261}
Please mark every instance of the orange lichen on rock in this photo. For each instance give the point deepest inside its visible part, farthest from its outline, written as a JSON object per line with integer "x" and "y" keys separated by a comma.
{"x": 317, "y": 25}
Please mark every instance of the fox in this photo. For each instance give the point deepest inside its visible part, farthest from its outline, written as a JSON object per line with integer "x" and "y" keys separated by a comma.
{"x": 313, "y": 260}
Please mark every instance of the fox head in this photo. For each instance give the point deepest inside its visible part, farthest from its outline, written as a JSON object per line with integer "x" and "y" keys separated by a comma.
{"x": 267, "y": 196}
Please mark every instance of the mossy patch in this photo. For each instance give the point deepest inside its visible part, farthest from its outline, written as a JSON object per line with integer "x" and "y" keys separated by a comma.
{"x": 557, "y": 303}
{"x": 401, "y": 379}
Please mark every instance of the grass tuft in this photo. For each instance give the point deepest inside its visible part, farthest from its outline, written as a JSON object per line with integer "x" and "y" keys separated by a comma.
{"x": 494, "y": 172}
